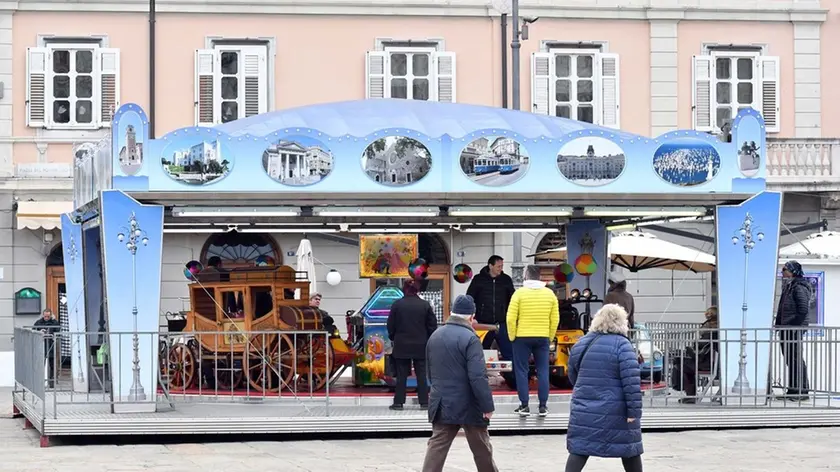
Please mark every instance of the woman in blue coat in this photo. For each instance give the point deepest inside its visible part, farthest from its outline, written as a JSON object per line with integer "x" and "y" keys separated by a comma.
{"x": 607, "y": 397}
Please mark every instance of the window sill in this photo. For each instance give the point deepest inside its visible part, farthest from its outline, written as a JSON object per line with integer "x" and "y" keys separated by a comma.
{"x": 72, "y": 133}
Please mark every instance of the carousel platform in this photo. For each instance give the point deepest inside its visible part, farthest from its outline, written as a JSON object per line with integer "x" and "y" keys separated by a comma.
{"x": 64, "y": 414}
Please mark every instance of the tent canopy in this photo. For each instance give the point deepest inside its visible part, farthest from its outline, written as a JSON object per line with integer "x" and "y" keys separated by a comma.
{"x": 823, "y": 245}
{"x": 635, "y": 251}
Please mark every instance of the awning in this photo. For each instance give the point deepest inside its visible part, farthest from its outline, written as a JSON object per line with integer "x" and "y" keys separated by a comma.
{"x": 46, "y": 215}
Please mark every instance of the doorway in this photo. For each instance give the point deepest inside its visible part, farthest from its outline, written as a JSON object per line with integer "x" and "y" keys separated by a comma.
{"x": 56, "y": 292}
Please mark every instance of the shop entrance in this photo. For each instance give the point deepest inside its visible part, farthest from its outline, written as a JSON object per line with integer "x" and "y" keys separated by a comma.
{"x": 56, "y": 292}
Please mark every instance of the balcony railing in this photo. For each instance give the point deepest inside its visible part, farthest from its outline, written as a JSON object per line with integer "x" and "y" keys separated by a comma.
{"x": 803, "y": 164}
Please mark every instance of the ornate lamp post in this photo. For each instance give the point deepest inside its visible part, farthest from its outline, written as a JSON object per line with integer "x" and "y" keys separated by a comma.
{"x": 74, "y": 254}
{"x": 745, "y": 237}
{"x": 133, "y": 235}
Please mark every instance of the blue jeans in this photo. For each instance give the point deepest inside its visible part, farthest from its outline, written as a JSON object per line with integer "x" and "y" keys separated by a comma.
{"x": 523, "y": 348}
{"x": 502, "y": 340}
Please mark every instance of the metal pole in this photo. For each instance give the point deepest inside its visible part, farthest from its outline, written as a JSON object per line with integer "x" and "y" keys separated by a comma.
{"x": 742, "y": 383}
{"x": 514, "y": 46}
{"x": 504, "y": 61}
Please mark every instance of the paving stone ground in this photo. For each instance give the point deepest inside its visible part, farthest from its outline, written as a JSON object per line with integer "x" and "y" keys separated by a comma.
{"x": 777, "y": 450}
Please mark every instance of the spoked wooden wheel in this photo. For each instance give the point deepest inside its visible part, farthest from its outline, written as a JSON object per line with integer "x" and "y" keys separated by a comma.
{"x": 315, "y": 362}
{"x": 228, "y": 375}
{"x": 180, "y": 367}
{"x": 269, "y": 362}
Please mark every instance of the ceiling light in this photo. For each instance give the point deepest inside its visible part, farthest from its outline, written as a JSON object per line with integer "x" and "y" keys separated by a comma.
{"x": 510, "y": 211}
{"x": 235, "y": 212}
{"x": 642, "y": 212}
{"x": 535, "y": 229}
{"x": 398, "y": 230}
{"x": 288, "y": 230}
{"x": 408, "y": 212}
{"x": 193, "y": 230}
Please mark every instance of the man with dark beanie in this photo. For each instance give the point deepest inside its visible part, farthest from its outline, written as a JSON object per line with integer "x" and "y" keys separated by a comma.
{"x": 792, "y": 319}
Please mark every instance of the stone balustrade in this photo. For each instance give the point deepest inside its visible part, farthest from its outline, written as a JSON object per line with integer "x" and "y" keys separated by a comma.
{"x": 803, "y": 164}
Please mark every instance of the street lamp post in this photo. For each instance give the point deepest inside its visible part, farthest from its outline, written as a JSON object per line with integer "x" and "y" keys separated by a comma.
{"x": 74, "y": 254}
{"x": 132, "y": 236}
{"x": 745, "y": 237}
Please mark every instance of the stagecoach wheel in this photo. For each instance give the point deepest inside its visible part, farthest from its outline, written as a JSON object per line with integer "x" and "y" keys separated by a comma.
{"x": 314, "y": 363}
{"x": 227, "y": 379}
{"x": 180, "y": 368}
{"x": 271, "y": 367}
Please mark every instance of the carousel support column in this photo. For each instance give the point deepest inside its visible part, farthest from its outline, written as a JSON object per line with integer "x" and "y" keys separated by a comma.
{"x": 586, "y": 243}
{"x": 74, "y": 260}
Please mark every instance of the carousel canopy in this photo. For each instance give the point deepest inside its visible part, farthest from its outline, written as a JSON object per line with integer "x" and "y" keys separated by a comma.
{"x": 435, "y": 119}
{"x": 635, "y": 251}
{"x": 823, "y": 245}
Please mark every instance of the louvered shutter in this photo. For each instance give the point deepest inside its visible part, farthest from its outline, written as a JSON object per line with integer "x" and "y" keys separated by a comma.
{"x": 610, "y": 93}
{"x": 36, "y": 87}
{"x": 108, "y": 61}
{"x": 541, "y": 71}
{"x": 445, "y": 76}
{"x": 769, "y": 75}
{"x": 703, "y": 93}
{"x": 206, "y": 105}
{"x": 376, "y": 71}
{"x": 255, "y": 74}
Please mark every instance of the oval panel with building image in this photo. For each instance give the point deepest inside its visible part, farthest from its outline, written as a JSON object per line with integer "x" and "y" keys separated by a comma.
{"x": 494, "y": 161}
{"x": 591, "y": 161}
{"x": 396, "y": 161}
{"x": 197, "y": 162}
{"x": 297, "y": 161}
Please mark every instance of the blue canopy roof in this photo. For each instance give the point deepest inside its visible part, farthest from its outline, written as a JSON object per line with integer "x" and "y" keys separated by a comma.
{"x": 434, "y": 119}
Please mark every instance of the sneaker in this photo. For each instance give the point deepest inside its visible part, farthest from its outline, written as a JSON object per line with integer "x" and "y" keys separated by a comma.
{"x": 396, "y": 407}
{"x": 543, "y": 411}
{"x": 523, "y": 411}
{"x": 424, "y": 406}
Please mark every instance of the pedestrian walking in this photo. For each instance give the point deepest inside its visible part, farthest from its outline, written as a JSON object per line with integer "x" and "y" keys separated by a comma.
{"x": 491, "y": 289}
{"x": 606, "y": 405}
{"x": 532, "y": 320}
{"x": 458, "y": 374}
{"x": 792, "y": 319}
{"x": 410, "y": 324}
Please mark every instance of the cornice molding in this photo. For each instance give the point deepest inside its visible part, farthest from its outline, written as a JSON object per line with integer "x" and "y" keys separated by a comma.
{"x": 677, "y": 10}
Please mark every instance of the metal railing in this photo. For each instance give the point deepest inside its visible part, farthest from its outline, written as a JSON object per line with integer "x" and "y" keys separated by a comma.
{"x": 297, "y": 369}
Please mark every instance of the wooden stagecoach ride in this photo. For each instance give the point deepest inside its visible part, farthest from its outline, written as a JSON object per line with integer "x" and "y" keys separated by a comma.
{"x": 245, "y": 325}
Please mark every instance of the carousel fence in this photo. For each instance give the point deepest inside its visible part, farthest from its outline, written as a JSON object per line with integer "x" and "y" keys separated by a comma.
{"x": 295, "y": 369}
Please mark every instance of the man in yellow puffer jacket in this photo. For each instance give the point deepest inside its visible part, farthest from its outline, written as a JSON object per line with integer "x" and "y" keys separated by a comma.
{"x": 532, "y": 319}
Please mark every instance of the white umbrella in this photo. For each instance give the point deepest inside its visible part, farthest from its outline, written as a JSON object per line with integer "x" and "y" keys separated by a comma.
{"x": 306, "y": 263}
{"x": 824, "y": 245}
{"x": 637, "y": 251}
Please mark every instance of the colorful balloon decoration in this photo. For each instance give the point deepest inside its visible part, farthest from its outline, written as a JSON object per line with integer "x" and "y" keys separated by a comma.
{"x": 564, "y": 273}
{"x": 585, "y": 265}
{"x": 462, "y": 273}
{"x": 191, "y": 269}
{"x": 418, "y": 269}
{"x": 264, "y": 261}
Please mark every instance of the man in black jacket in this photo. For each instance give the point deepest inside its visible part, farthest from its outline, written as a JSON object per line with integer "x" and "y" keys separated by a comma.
{"x": 792, "y": 318}
{"x": 492, "y": 289}
{"x": 48, "y": 325}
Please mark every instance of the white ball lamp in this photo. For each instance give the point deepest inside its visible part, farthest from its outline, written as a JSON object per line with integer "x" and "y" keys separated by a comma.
{"x": 333, "y": 277}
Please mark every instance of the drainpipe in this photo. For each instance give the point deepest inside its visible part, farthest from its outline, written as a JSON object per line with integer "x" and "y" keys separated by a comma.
{"x": 517, "y": 266}
{"x": 152, "y": 14}
{"x": 504, "y": 61}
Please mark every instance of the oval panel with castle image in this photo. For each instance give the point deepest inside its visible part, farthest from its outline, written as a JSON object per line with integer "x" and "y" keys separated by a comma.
{"x": 396, "y": 161}
{"x": 194, "y": 161}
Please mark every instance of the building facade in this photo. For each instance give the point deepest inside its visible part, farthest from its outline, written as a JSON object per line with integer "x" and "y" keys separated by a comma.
{"x": 645, "y": 66}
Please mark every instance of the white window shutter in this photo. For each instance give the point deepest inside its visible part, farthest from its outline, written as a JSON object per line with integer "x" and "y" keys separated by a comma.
{"x": 769, "y": 75}
{"x": 702, "y": 103}
{"x": 610, "y": 93}
{"x": 376, "y": 71}
{"x": 207, "y": 106}
{"x": 37, "y": 60}
{"x": 108, "y": 60}
{"x": 255, "y": 72}
{"x": 445, "y": 76}
{"x": 541, "y": 81}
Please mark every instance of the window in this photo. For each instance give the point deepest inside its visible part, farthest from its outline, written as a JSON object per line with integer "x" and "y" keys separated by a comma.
{"x": 581, "y": 84}
{"x": 727, "y": 81}
{"x": 231, "y": 83}
{"x": 72, "y": 86}
{"x": 411, "y": 73}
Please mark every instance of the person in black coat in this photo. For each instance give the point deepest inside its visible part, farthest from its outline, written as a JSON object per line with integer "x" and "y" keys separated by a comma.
{"x": 410, "y": 324}
{"x": 792, "y": 317}
{"x": 48, "y": 325}
{"x": 701, "y": 356}
{"x": 492, "y": 290}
